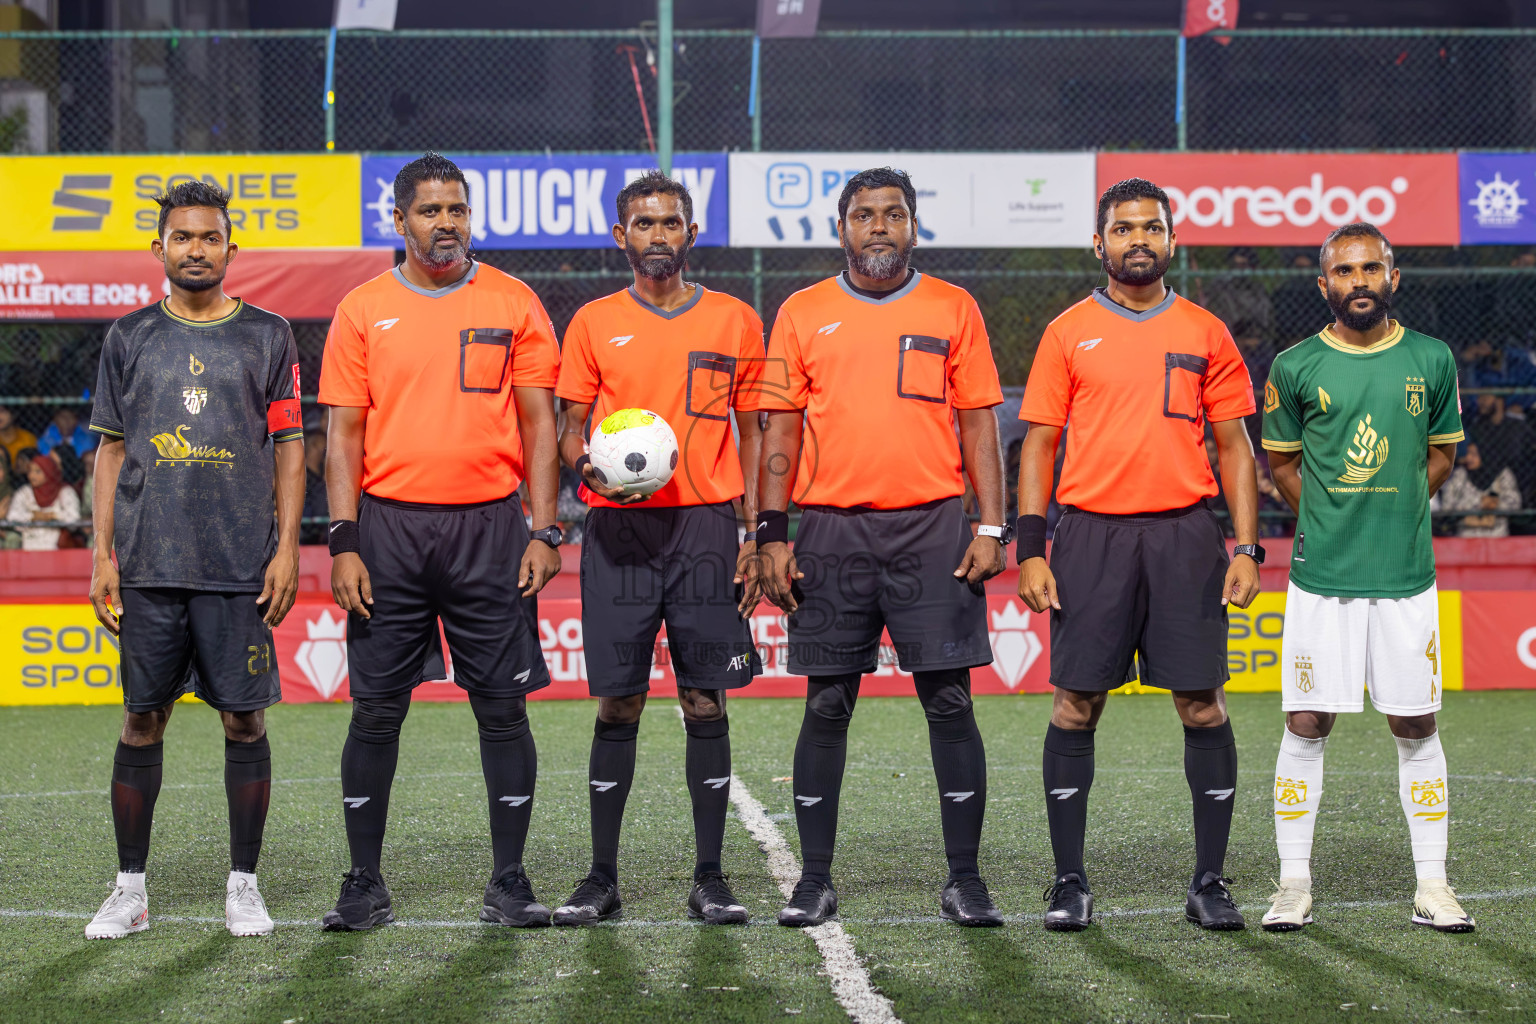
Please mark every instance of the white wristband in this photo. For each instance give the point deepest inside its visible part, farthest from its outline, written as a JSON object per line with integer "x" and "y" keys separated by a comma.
{"x": 995, "y": 532}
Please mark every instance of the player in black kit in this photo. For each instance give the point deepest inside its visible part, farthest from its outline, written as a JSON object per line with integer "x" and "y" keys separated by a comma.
{"x": 197, "y": 398}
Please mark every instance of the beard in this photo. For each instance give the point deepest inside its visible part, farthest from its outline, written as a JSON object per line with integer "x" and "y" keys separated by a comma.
{"x": 1137, "y": 275}
{"x": 194, "y": 284}
{"x": 439, "y": 259}
{"x": 658, "y": 270}
{"x": 1340, "y": 305}
{"x": 884, "y": 266}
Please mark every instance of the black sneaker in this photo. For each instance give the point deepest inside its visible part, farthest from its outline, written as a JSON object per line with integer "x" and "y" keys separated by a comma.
{"x": 1210, "y": 906}
{"x": 810, "y": 904}
{"x": 1071, "y": 903}
{"x": 595, "y": 899}
{"x": 711, "y": 901}
{"x": 509, "y": 900}
{"x": 966, "y": 901}
{"x": 364, "y": 903}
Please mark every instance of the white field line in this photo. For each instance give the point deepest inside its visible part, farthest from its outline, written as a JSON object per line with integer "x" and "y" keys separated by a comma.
{"x": 1025, "y": 919}
{"x": 851, "y": 985}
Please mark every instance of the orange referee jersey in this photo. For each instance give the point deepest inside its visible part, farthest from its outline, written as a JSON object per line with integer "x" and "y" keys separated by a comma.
{"x": 435, "y": 370}
{"x": 1138, "y": 389}
{"x": 621, "y": 352}
{"x": 879, "y": 380}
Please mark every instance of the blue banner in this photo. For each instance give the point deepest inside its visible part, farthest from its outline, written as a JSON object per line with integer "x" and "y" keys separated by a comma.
{"x": 1496, "y": 191}
{"x": 561, "y": 201}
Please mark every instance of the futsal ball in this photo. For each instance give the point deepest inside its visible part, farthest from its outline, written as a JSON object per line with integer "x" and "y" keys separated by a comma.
{"x": 633, "y": 449}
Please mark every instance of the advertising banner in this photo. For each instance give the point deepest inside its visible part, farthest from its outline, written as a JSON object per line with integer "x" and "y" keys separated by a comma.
{"x": 964, "y": 200}
{"x": 1297, "y": 198}
{"x": 78, "y": 203}
{"x": 59, "y": 654}
{"x": 561, "y": 201}
{"x": 1496, "y": 191}
{"x": 300, "y": 284}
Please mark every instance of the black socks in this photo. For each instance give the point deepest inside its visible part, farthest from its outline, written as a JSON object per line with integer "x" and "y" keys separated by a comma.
{"x": 1210, "y": 765}
{"x": 611, "y": 773}
{"x": 959, "y": 764}
{"x": 1068, "y": 773}
{"x": 367, "y": 773}
{"x": 135, "y": 786}
{"x": 248, "y": 785}
{"x": 707, "y": 766}
{"x": 820, "y": 755}
{"x": 510, "y": 763}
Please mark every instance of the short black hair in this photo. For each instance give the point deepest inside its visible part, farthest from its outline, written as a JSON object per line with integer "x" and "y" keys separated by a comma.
{"x": 427, "y": 167}
{"x": 877, "y": 177}
{"x": 1128, "y": 191}
{"x": 652, "y": 183}
{"x": 1359, "y": 229}
{"x": 193, "y": 193}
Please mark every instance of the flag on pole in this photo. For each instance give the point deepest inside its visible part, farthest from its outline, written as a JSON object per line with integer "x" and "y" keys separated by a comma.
{"x": 365, "y": 14}
{"x": 1202, "y": 16}
{"x": 787, "y": 19}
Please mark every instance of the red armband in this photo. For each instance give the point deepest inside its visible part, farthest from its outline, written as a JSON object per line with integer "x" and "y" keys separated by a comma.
{"x": 284, "y": 415}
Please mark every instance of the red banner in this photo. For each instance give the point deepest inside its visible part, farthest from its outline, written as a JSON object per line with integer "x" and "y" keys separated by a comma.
{"x": 1297, "y": 198}
{"x": 1201, "y": 16}
{"x": 312, "y": 656}
{"x": 300, "y": 284}
{"x": 1498, "y": 632}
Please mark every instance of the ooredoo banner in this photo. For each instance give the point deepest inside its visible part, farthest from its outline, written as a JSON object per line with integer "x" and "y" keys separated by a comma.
{"x": 1500, "y": 631}
{"x": 1297, "y": 198}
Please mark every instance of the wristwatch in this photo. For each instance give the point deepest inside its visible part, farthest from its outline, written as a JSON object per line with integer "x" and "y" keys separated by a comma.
{"x": 1253, "y": 551}
{"x": 551, "y": 535}
{"x": 1002, "y": 534}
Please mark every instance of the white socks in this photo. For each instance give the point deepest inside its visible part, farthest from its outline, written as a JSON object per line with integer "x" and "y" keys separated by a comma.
{"x": 236, "y": 877}
{"x": 1421, "y": 785}
{"x": 130, "y": 880}
{"x": 1298, "y": 789}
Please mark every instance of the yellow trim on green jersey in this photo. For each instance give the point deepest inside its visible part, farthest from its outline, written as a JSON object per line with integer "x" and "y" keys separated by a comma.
{"x": 1455, "y": 438}
{"x": 1280, "y": 446}
{"x": 1332, "y": 340}
{"x": 166, "y": 309}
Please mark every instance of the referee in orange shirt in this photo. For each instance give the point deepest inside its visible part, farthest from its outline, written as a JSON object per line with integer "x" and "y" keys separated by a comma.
{"x": 878, "y": 365}
{"x": 1139, "y": 566}
{"x": 440, "y": 374}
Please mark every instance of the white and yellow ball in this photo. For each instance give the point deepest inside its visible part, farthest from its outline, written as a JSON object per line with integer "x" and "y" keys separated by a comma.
{"x": 634, "y": 449}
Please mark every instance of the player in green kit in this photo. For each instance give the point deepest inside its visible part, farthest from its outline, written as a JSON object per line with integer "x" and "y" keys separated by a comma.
{"x": 1361, "y": 421}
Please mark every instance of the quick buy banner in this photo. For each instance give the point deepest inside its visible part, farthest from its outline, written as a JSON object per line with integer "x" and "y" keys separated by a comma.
{"x": 562, "y": 201}
{"x": 964, "y": 200}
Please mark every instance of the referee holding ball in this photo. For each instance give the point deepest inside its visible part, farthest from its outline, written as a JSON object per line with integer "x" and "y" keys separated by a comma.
{"x": 867, "y": 376}
{"x": 1139, "y": 566}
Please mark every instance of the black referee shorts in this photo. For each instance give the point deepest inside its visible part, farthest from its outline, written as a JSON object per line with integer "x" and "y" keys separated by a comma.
{"x": 641, "y": 567}
{"x": 454, "y": 562}
{"x": 868, "y": 569}
{"x": 1147, "y": 585}
{"x": 206, "y": 642}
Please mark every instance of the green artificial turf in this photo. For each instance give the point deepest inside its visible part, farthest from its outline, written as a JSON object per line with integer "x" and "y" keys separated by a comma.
{"x": 1141, "y": 962}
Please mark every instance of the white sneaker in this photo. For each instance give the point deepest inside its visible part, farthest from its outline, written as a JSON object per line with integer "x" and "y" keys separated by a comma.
{"x": 244, "y": 911}
{"x": 1290, "y": 906}
{"x": 1435, "y": 905}
{"x": 126, "y": 911}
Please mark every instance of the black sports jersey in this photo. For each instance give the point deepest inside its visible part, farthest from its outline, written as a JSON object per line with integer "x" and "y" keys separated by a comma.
{"x": 199, "y": 407}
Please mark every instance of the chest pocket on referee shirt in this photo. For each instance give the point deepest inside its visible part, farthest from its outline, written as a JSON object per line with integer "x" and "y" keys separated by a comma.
{"x": 710, "y": 378}
{"x": 1183, "y": 375}
{"x": 922, "y": 368}
{"x": 485, "y": 354}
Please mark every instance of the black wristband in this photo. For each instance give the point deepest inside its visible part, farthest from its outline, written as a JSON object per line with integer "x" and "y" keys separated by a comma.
{"x": 344, "y": 536}
{"x": 581, "y": 463}
{"x": 1031, "y": 530}
{"x": 772, "y": 528}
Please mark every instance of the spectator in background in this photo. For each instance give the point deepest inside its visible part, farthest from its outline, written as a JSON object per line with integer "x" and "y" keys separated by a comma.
{"x": 1258, "y": 353}
{"x": 88, "y": 487}
{"x": 6, "y": 490}
{"x": 21, "y": 462}
{"x": 1240, "y": 300}
{"x": 316, "y": 505}
{"x": 1503, "y": 436}
{"x": 14, "y": 438}
{"x": 44, "y": 498}
{"x": 1481, "y": 486}
{"x": 67, "y": 429}
{"x": 70, "y": 466}
{"x": 1300, "y": 310}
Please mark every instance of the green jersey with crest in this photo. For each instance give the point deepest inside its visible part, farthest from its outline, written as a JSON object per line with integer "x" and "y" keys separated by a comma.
{"x": 1363, "y": 420}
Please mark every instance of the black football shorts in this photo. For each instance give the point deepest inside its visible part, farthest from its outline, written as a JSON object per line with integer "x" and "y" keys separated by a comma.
{"x": 1141, "y": 588}
{"x": 457, "y": 563}
{"x": 210, "y": 643}
{"x": 641, "y": 567}
{"x": 873, "y": 569}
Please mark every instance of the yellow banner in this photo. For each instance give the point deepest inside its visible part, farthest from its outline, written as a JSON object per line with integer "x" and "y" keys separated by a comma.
{"x": 73, "y": 203}
{"x": 1253, "y": 645}
{"x": 56, "y": 654}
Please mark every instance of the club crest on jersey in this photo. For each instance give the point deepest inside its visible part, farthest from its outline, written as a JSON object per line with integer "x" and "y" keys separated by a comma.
{"x": 1290, "y": 791}
{"x": 1414, "y": 396}
{"x": 1429, "y": 793}
{"x": 1365, "y": 455}
{"x": 1304, "y": 674}
{"x": 1271, "y": 396}
{"x": 194, "y": 399}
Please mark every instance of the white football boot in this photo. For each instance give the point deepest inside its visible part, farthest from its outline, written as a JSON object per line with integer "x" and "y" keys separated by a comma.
{"x": 125, "y": 911}
{"x": 1435, "y": 905}
{"x": 1290, "y": 906}
{"x": 245, "y": 913}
